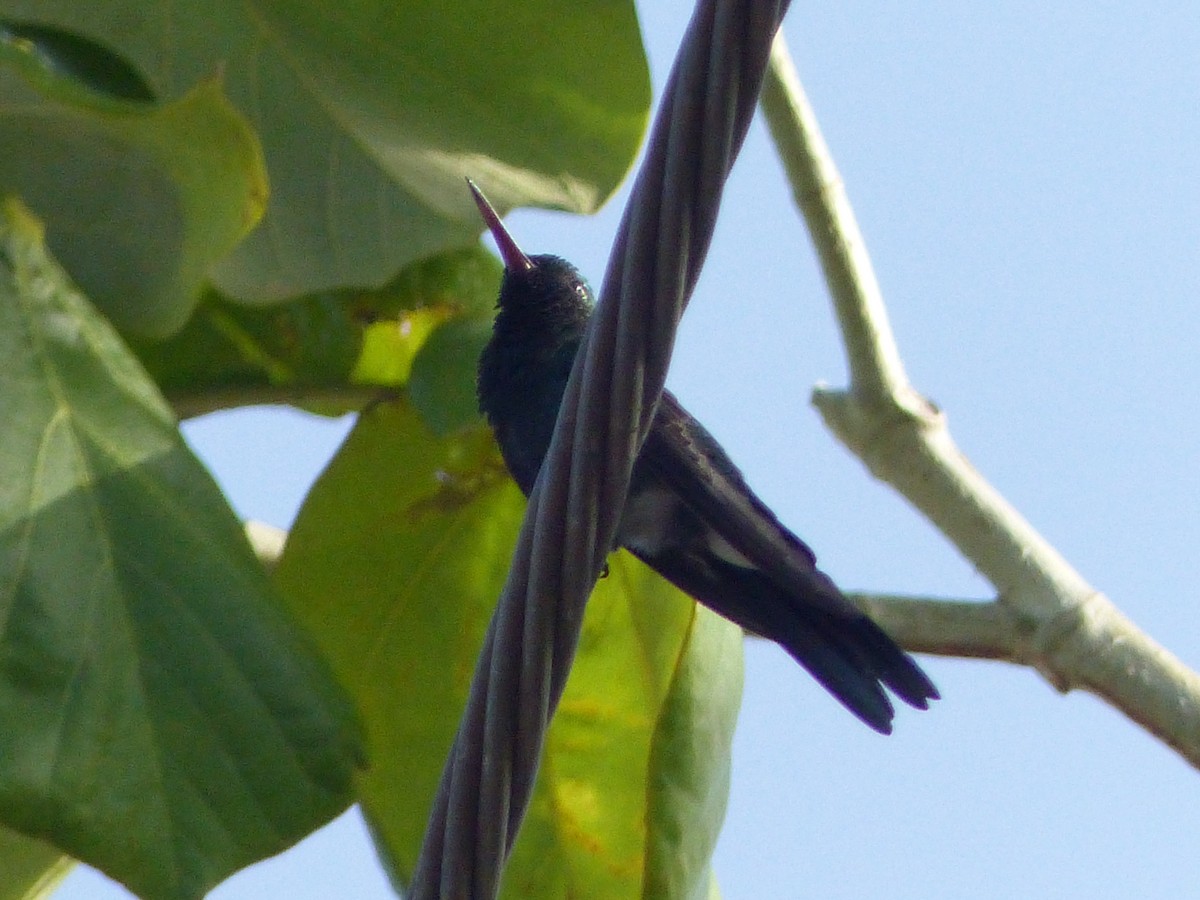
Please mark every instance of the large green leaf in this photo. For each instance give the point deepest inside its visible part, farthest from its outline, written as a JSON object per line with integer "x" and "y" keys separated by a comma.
{"x": 161, "y": 716}
{"x": 395, "y": 562}
{"x": 689, "y": 763}
{"x": 372, "y": 112}
{"x": 140, "y": 199}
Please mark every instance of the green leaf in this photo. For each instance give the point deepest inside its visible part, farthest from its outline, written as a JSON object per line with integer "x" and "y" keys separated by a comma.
{"x": 315, "y": 349}
{"x": 161, "y": 717}
{"x": 631, "y": 788}
{"x": 227, "y": 354}
{"x": 706, "y": 889}
{"x": 31, "y": 868}
{"x": 393, "y": 564}
{"x": 139, "y": 199}
{"x": 90, "y": 64}
{"x": 391, "y": 345}
{"x": 466, "y": 280}
{"x": 439, "y": 289}
{"x": 690, "y": 760}
{"x": 442, "y": 383}
{"x": 372, "y": 113}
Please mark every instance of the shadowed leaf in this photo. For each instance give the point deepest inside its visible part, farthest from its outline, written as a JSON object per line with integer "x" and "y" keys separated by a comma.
{"x": 139, "y": 199}
{"x": 442, "y": 384}
{"x": 317, "y": 346}
{"x": 370, "y": 116}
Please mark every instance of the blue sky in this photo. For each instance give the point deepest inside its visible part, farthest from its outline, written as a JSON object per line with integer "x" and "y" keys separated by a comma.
{"x": 1028, "y": 182}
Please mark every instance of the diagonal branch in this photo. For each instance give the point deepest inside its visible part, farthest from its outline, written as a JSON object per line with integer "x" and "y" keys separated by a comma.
{"x": 1047, "y": 616}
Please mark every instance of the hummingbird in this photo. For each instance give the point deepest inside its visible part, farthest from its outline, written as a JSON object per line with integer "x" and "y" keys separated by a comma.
{"x": 688, "y": 507}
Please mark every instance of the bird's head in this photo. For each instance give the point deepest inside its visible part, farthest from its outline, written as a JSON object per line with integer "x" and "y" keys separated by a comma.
{"x": 543, "y": 286}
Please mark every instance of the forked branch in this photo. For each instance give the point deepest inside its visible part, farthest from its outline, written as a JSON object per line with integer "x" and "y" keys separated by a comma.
{"x": 1045, "y": 615}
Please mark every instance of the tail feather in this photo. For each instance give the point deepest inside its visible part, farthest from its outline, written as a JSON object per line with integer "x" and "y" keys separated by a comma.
{"x": 856, "y": 689}
{"x": 841, "y": 647}
{"x": 854, "y": 659}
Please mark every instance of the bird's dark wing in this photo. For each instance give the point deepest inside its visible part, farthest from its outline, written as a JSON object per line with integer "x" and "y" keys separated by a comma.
{"x": 723, "y": 546}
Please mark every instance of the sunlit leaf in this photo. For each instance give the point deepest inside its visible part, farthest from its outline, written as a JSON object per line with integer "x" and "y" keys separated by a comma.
{"x": 31, "y": 869}
{"x": 395, "y": 563}
{"x": 161, "y": 717}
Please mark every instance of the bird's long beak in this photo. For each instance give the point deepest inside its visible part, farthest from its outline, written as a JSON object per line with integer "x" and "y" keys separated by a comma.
{"x": 514, "y": 257}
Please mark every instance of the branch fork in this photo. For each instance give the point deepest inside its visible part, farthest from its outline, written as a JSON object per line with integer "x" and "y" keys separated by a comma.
{"x": 1046, "y": 616}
